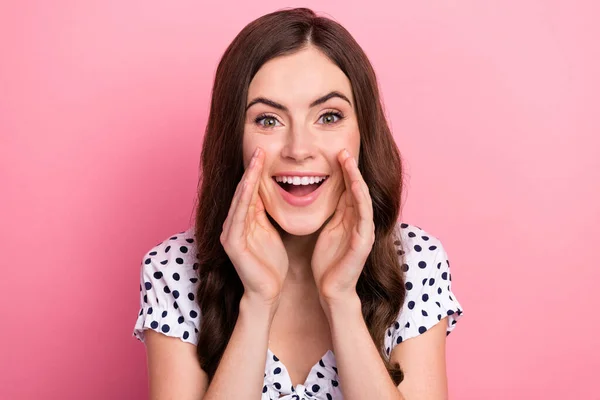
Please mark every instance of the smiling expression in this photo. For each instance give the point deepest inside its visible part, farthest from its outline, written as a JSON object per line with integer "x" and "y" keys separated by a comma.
{"x": 300, "y": 111}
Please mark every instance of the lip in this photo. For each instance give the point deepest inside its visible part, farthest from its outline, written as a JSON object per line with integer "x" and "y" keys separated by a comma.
{"x": 302, "y": 201}
{"x": 299, "y": 173}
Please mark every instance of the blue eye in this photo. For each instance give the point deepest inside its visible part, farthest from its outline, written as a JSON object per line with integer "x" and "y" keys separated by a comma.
{"x": 263, "y": 117}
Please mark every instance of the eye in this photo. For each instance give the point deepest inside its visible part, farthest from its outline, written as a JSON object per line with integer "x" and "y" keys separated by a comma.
{"x": 267, "y": 117}
{"x": 333, "y": 114}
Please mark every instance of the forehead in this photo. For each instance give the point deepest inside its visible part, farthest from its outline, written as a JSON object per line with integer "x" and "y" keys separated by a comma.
{"x": 299, "y": 78}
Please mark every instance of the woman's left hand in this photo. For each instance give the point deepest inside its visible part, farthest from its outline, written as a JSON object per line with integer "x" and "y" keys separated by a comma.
{"x": 345, "y": 242}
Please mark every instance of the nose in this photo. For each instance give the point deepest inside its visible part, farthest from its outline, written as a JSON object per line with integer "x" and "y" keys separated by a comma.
{"x": 299, "y": 145}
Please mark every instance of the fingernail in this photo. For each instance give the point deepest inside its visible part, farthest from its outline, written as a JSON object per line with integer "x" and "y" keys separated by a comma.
{"x": 256, "y": 152}
{"x": 354, "y": 161}
{"x": 346, "y": 153}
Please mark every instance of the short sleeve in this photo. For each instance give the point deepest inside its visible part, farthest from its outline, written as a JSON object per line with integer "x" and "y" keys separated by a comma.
{"x": 168, "y": 288}
{"x": 429, "y": 297}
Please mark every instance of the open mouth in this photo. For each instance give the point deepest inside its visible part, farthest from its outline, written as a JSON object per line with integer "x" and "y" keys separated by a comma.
{"x": 300, "y": 189}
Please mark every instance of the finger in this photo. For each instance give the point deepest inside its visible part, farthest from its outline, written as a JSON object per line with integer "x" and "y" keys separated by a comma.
{"x": 247, "y": 196}
{"x": 236, "y": 196}
{"x": 344, "y": 157}
{"x": 365, "y": 212}
{"x": 361, "y": 197}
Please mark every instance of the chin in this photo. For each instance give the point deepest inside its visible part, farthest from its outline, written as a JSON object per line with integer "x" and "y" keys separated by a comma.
{"x": 300, "y": 224}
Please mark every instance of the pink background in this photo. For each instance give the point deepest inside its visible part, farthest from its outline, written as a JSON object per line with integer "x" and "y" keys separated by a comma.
{"x": 494, "y": 105}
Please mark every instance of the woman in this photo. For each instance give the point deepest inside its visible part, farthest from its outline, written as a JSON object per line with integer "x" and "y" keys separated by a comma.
{"x": 297, "y": 268}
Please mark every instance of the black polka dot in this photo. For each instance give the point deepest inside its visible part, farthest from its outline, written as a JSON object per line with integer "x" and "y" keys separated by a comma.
{"x": 425, "y": 238}
{"x": 405, "y": 267}
{"x": 167, "y": 290}
{"x": 411, "y": 234}
{"x": 150, "y": 310}
{"x": 425, "y": 297}
{"x": 409, "y": 286}
{"x": 148, "y": 261}
{"x": 193, "y": 314}
{"x": 315, "y": 388}
{"x": 329, "y": 397}
{"x": 183, "y": 249}
{"x": 431, "y": 281}
{"x": 275, "y": 358}
{"x": 278, "y": 370}
{"x": 403, "y": 225}
{"x": 193, "y": 280}
{"x": 180, "y": 319}
{"x": 445, "y": 277}
{"x": 320, "y": 375}
{"x": 417, "y": 247}
{"x": 176, "y": 276}
{"x": 407, "y": 325}
{"x": 265, "y": 387}
{"x": 164, "y": 314}
{"x": 191, "y": 296}
{"x": 145, "y": 298}
{"x": 189, "y": 240}
{"x": 173, "y": 238}
{"x": 152, "y": 253}
{"x": 335, "y": 383}
{"x": 450, "y": 312}
{"x": 277, "y": 385}
{"x": 167, "y": 249}
{"x": 411, "y": 305}
{"x": 179, "y": 260}
{"x": 424, "y": 313}
{"x": 432, "y": 248}
{"x": 422, "y": 329}
{"x": 176, "y": 294}
{"x": 422, "y": 264}
{"x": 397, "y": 325}
{"x": 157, "y": 275}
{"x": 148, "y": 286}
{"x": 165, "y": 328}
{"x": 154, "y": 325}
{"x": 399, "y": 339}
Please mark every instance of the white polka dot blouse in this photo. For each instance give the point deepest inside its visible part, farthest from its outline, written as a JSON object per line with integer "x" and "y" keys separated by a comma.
{"x": 168, "y": 286}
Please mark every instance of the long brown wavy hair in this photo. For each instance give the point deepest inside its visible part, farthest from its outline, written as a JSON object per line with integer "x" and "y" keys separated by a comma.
{"x": 381, "y": 284}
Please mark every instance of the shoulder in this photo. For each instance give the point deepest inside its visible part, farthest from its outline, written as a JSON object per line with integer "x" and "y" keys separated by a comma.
{"x": 168, "y": 288}
{"x": 423, "y": 252}
{"x": 429, "y": 297}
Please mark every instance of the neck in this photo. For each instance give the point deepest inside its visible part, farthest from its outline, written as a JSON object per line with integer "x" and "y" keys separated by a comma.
{"x": 299, "y": 250}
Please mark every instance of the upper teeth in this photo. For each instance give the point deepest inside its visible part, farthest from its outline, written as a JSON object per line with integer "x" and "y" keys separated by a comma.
{"x": 300, "y": 180}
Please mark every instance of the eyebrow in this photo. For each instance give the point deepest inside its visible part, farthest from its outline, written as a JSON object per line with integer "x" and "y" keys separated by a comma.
{"x": 318, "y": 101}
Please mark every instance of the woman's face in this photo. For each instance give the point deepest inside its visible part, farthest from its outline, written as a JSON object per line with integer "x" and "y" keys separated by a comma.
{"x": 301, "y": 137}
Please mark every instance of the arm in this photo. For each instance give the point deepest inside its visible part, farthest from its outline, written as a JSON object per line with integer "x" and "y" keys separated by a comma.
{"x": 423, "y": 361}
{"x": 362, "y": 372}
{"x": 174, "y": 371}
{"x": 173, "y": 368}
{"x": 245, "y": 357}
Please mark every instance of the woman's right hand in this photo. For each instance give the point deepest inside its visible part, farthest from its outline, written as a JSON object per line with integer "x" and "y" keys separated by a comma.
{"x": 250, "y": 240}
